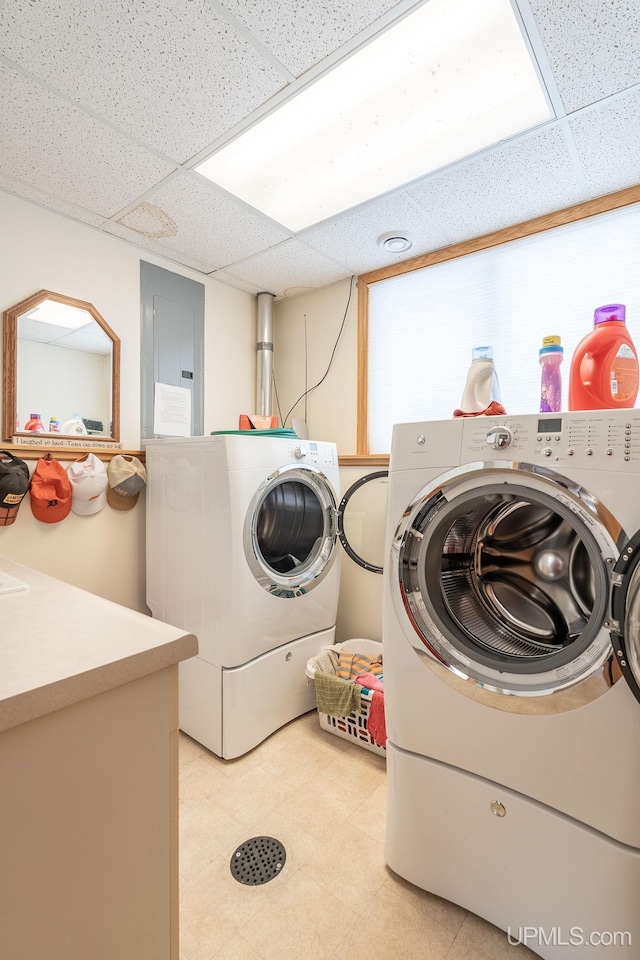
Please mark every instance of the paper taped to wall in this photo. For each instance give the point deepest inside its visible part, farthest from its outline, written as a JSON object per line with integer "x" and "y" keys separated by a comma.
{"x": 171, "y": 411}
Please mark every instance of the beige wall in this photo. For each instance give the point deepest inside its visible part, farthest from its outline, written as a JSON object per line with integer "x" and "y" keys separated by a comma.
{"x": 331, "y": 415}
{"x": 331, "y": 409}
{"x": 105, "y": 553}
{"x": 78, "y": 374}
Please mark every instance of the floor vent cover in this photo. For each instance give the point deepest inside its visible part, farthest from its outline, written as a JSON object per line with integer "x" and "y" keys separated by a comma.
{"x": 258, "y": 860}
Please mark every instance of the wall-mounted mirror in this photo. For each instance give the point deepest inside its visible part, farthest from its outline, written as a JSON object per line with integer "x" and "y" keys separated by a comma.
{"x": 61, "y": 361}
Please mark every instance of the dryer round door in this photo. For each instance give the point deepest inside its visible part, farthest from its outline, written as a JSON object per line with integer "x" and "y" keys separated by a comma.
{"x": 501, "y": 578}
{"x": 290, "y": 531}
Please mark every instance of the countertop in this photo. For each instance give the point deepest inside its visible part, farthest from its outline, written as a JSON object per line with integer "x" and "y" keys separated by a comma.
{"x": 60, "y": 645}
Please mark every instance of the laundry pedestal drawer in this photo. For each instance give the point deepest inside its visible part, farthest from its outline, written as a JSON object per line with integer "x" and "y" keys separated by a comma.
{"x": 547, "y": 880}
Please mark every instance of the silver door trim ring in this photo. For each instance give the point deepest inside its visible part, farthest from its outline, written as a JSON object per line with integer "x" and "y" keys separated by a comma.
{"x": 309, "y": 571}
{"x": 424, "y": 617}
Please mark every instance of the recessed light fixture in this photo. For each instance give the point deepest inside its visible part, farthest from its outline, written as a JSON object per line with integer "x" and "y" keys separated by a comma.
{"x": 451, "y": 78}
{"x": 59, "y": 315}
{"x": 395, "y": 242}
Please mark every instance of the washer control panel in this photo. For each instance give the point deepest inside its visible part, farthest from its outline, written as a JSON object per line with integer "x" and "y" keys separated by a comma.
{"x": 320, "y": 453}
{"x": 597, "y": 440}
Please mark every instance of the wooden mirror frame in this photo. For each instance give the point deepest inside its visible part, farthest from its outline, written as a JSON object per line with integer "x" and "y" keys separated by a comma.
{"x": 10, "y": 362}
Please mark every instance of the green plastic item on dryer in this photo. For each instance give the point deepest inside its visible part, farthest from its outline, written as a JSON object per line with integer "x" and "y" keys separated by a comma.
{"x": 271, "y": 432}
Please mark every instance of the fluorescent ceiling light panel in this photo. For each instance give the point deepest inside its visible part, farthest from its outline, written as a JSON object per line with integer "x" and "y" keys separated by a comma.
{"x": 60, "y": 315}
{"x": 452, "y": 78}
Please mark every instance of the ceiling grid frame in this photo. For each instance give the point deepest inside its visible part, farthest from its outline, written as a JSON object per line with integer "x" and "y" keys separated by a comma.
{"x": 326, "y": 252}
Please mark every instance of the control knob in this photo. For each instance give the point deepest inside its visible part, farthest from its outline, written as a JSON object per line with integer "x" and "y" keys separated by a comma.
{"x": 499, "y": 437}
{"x": 300, "y": 452}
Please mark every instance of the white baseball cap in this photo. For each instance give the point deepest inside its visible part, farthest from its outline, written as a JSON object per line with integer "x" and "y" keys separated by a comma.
{"x": 88, "y": 479}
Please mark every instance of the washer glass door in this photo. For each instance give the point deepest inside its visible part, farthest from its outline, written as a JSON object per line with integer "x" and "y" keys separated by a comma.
{"x": 361, "y": 524}
{"x": 503, "y": 579}
{"x": 625, "y": 609}
{"x": 290, "y": 531}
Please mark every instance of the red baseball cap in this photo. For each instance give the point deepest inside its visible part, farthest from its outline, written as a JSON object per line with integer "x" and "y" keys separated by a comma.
{"x": 50, "y": 491}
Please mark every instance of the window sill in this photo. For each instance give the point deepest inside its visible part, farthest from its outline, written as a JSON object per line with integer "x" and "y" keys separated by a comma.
{"x": 367, "y": 460}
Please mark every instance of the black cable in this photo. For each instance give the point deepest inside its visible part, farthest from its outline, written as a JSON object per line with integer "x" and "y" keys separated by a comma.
{"x": 333, "y": 353}
{"x": 275, "y": 390}
{"x": 306, "y": 367}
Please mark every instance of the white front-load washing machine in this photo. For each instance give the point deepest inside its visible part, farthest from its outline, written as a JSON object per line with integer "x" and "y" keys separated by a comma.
{"x": 511, "y": 632}
{"x": 242, "y": 550}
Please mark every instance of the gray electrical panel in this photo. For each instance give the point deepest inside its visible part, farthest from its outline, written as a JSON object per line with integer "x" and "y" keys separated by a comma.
{"x": 172, "y": 347}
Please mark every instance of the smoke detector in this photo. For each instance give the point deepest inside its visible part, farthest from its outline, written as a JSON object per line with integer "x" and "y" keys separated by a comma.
{"x": 395, "y": 242}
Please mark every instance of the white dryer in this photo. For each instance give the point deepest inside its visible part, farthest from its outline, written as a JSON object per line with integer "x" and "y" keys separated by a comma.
{"x": 242, "y": 547}
{"x": 511, "y": 631}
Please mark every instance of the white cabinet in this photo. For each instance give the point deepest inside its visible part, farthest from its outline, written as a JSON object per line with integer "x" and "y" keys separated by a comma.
{"x": 88, "y": 777}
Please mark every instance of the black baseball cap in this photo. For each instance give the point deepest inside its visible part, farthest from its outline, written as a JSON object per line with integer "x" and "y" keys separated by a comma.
{"x": 14, "y": 483}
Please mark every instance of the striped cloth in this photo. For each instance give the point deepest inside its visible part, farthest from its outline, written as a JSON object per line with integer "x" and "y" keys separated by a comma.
{"x": 350, "y": 665}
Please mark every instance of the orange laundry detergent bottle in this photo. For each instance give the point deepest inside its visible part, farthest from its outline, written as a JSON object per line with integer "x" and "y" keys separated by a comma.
{"x": 604, "y": 367}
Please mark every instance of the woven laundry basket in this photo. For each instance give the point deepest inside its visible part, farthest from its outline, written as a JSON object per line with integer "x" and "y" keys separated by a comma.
{"x": 354, "y": 726}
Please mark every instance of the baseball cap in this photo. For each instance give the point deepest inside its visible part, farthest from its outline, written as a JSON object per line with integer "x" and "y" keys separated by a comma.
{"x": 50, "y": 491}
{"x": 127, "y": 477}
{"x": 14, "y": 483}
{"x": 88, "y": 479}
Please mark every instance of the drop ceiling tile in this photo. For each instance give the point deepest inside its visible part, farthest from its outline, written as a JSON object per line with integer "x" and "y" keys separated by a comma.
{"x": 354, "y": 238}
{"x": 85, "y": 340}
{"x": 28, "y": 192}
{"x": 224, "y": 276}
{"x": 593, "y": 46}
{"x": 155, "y": 246}
{"x": 509, "y": 184}
{"x": 325, "y": 25}
{"x": 289, "y": 269}
{"x": 32, "y": 329}
{"x": 51, "y": 146}
{"x": 173, "y": 74}
{"x": 606, "y": 139}
{"x": 187, "y": 214}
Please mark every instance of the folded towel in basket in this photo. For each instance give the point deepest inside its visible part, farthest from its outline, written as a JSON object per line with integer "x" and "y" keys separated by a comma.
{"x": 336, "y": 697}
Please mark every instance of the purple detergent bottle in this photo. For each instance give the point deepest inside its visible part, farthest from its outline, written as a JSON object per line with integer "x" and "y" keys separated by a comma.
{"x": 551, "y": 385}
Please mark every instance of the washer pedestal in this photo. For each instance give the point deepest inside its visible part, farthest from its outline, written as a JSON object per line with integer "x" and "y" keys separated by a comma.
{"x": 546, "y": 879}
{"x": 230, "y": 711}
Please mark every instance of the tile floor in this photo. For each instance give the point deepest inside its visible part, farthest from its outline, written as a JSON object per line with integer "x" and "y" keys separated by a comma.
{"x": 324, "y": 800}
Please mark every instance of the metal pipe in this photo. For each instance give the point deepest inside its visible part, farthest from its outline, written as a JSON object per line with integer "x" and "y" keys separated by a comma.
{"x": 264, "y": 354}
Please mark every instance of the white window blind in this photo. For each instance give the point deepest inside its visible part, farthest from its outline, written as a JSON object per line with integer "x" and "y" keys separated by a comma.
{"x": 423, "y": 325}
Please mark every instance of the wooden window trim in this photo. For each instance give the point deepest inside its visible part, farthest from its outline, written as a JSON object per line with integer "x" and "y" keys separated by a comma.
{"x": 579, "y": 211}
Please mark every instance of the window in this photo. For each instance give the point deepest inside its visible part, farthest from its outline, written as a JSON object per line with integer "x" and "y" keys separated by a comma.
{"x": 418, "y": 327}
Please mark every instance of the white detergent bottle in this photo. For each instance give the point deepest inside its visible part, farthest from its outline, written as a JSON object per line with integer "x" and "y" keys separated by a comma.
{"x": 482, "y": 386}
{"x": 75, "y": 426}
